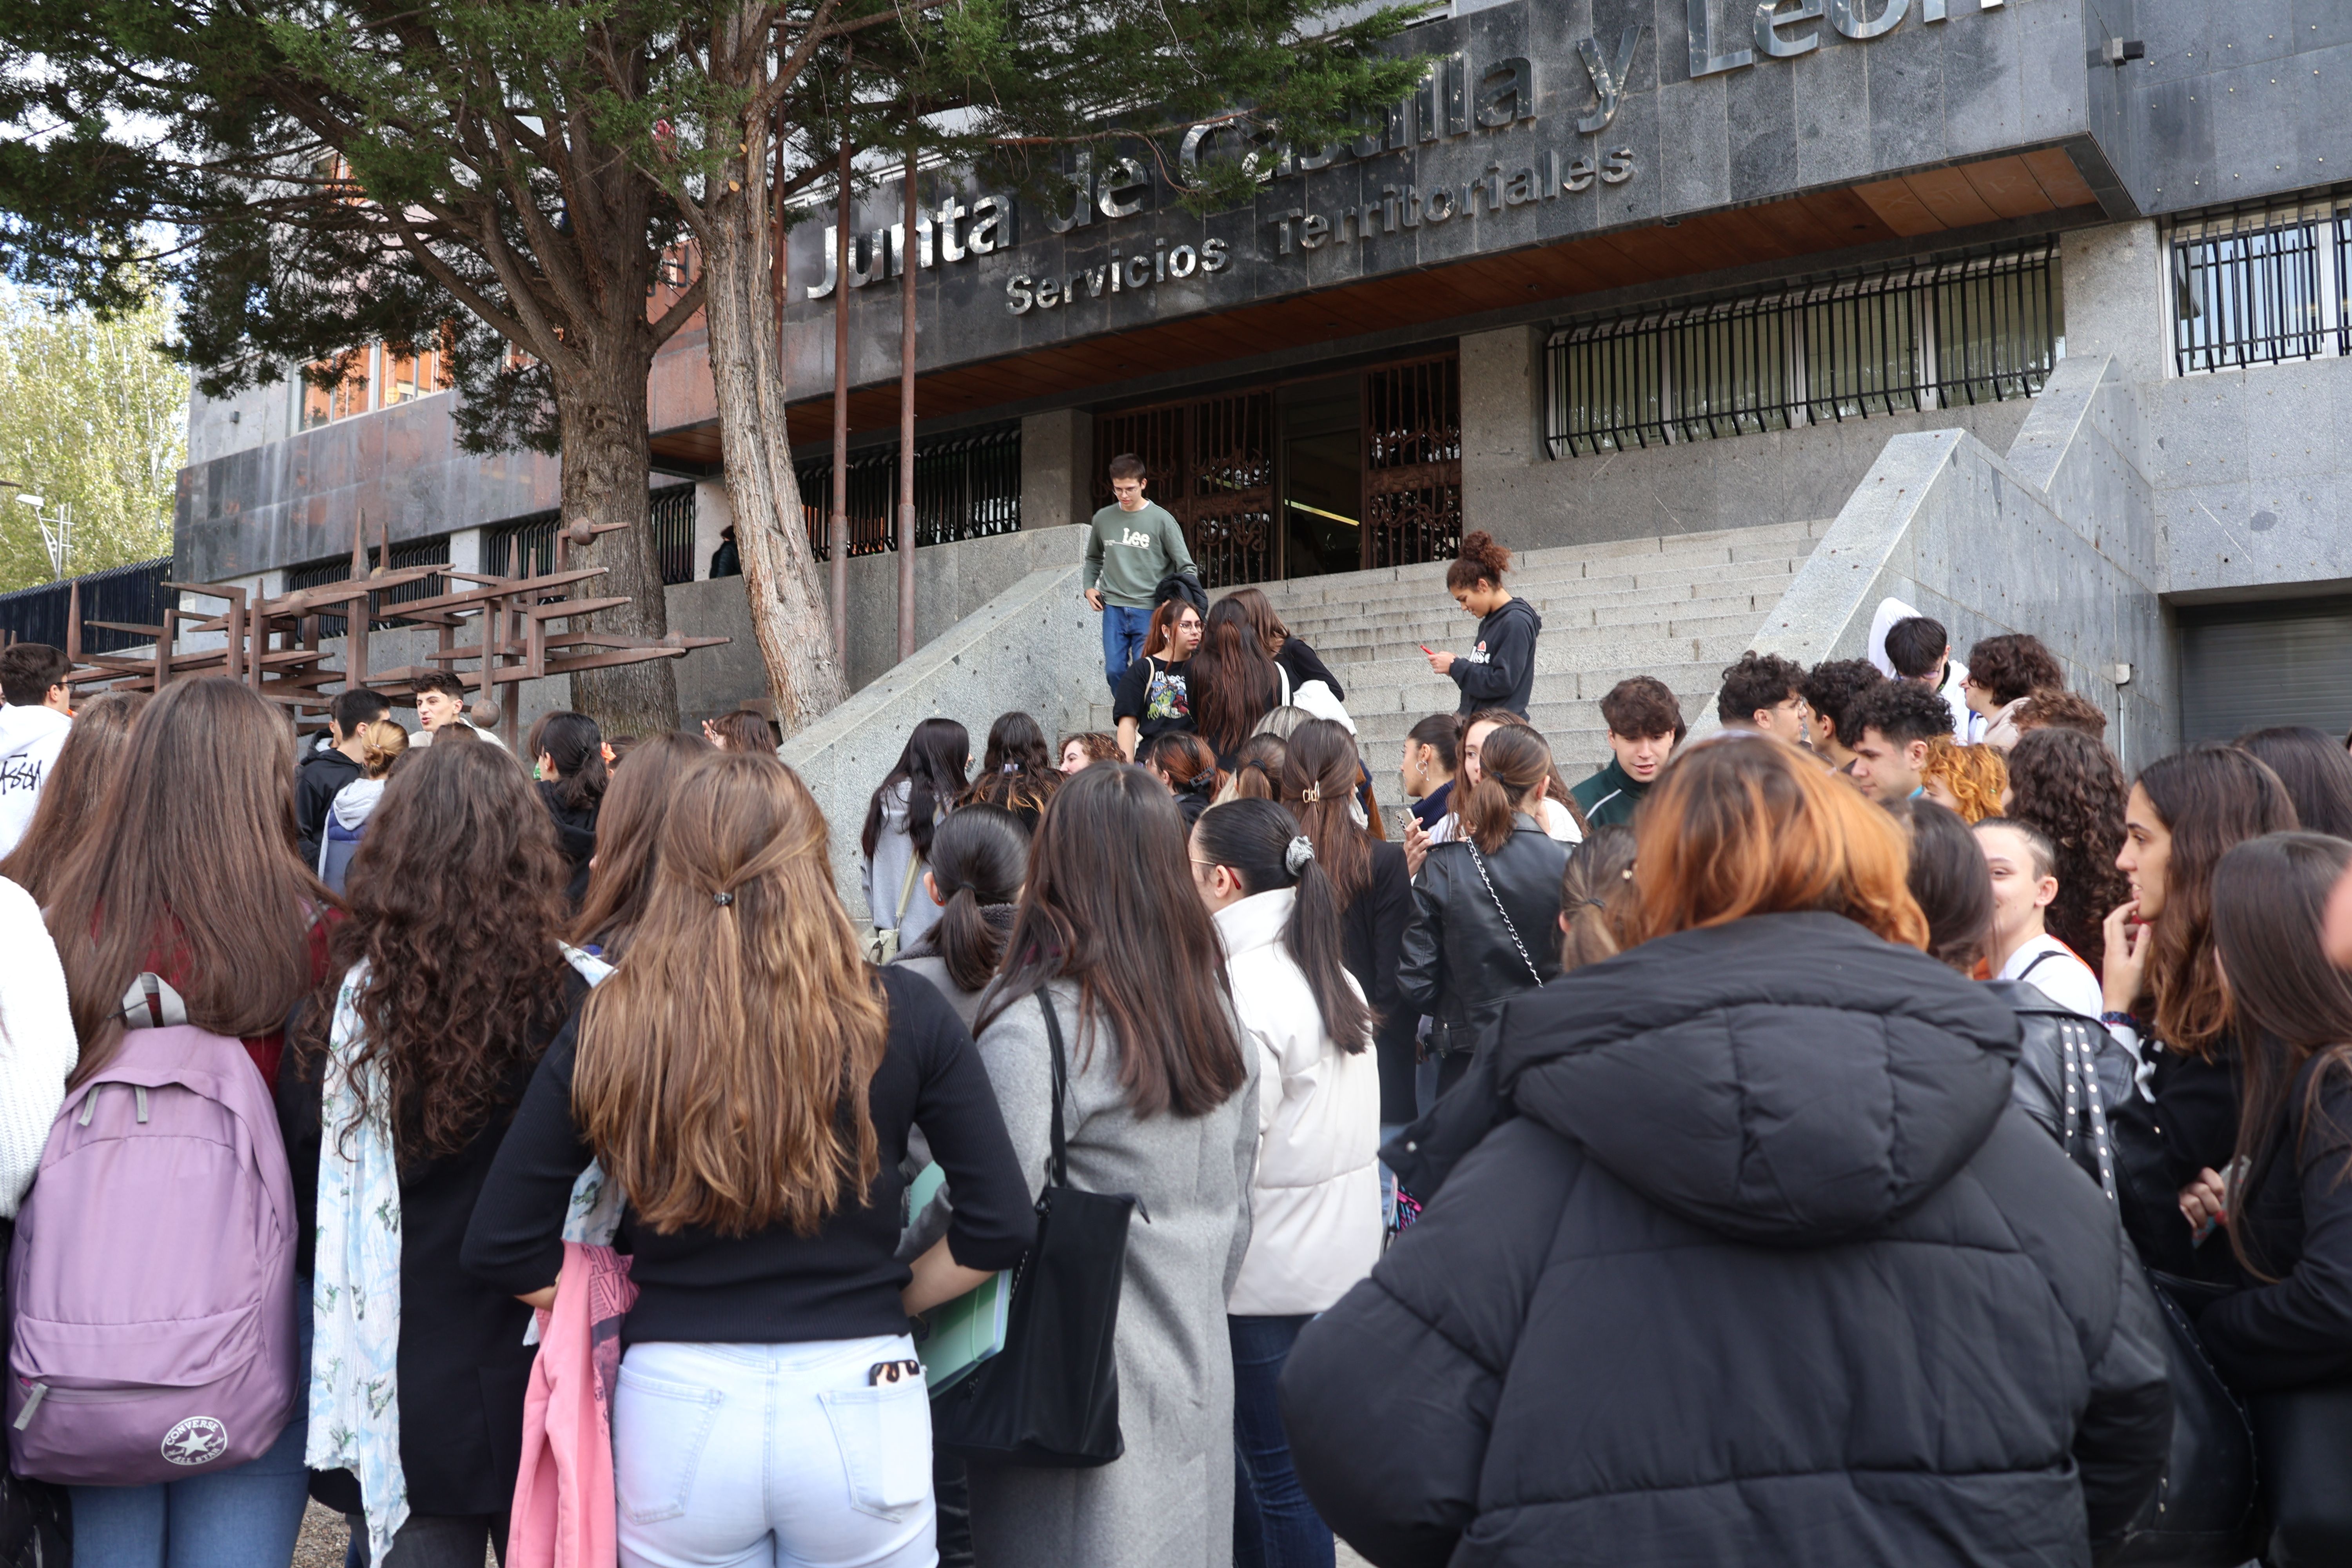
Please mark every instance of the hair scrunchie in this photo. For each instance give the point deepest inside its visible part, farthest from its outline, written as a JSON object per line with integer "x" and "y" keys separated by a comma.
{"x": 1299, "y": 856}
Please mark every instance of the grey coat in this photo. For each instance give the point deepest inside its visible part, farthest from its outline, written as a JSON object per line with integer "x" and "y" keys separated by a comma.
{"x": 883, "y": 877}
{"x": 1168, "y": 1501}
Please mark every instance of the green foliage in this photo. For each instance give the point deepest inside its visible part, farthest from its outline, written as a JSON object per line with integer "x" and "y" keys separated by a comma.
{"x": 94, "y": 418}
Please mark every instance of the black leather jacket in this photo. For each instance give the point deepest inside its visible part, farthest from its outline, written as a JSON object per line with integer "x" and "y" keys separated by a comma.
{"x": 1460, "y": 964}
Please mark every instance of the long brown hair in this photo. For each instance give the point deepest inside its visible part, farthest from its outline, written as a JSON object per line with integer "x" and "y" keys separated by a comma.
{"x": 85, "y": 765}
{"x": 1016, "y": 771}
{"x": 456, "y": 904}
{"x": 189, "y": 868}
{"x": 627, "y": 826}
{"x": 1512, "y": 764}
{"x": 1232, "y": 683}
{"x": 723, "y": 1068}
{"x": 2269, "y": 901}
{"x": 1744, "y": 825}
{"x": 1320, "y": 763}
{"x": 2210, "y": 798}
{"x": 1267, "y": 625}
{"x": 1110, "y": 904}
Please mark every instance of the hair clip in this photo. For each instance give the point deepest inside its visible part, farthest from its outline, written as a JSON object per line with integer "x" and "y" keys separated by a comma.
{"x": 722, "y": 900}
{"x": 1312, "y": 793}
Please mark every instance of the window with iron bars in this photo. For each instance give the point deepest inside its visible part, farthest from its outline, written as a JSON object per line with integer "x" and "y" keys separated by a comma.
{"x": 529, "y": 543}
{"x": 1918, "y": 336}
{"x": 966, "y": 487}
{"x": 2262, "y": 287}
{"x": 415, "y": 553}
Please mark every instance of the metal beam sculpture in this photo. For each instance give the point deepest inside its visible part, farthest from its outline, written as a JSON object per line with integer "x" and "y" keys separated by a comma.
{"x": 518, "y": 625}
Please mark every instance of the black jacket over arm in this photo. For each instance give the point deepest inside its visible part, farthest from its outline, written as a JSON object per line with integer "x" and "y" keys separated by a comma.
{"x": 2296, "y": 1220}
{"x": 1766, "y": 1272}
{"x": 773, "y": 1287}
{"x": 1372, "y": 933}
{"x": 463, "y": 1365}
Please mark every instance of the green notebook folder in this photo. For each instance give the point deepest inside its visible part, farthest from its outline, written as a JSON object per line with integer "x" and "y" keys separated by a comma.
{"x": 963, "y": 1332}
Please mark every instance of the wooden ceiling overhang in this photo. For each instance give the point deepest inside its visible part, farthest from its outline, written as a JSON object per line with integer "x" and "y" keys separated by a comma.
{"x": 2018, "y": 186}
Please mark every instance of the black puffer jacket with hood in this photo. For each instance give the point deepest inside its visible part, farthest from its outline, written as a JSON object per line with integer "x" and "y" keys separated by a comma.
{"x": 1764, "y": 1271}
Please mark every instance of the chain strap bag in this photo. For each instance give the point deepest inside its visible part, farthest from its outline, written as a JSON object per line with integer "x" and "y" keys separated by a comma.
{"x": 1049, "y": 1399}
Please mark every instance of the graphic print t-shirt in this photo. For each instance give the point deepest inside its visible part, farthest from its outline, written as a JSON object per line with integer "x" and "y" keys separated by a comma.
{"x": 1153, "y": 694}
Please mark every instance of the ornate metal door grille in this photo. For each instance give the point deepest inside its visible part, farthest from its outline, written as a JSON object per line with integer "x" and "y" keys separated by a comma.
{"x": 1412, "y": 462}
{"x": 1210, "y": 463}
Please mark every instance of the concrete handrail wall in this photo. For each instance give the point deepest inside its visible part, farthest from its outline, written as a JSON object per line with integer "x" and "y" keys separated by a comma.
{"x": 1033, "y": 648}
{"x": 2058, "y": 539}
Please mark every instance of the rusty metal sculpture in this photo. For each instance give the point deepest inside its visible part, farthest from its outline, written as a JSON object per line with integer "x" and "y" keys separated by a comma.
{"x": 523, "y": 624}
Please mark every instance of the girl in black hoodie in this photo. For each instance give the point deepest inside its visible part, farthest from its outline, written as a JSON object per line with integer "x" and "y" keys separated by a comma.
{"x": 570, "y": 751}
{"x": 1500, "y": 671}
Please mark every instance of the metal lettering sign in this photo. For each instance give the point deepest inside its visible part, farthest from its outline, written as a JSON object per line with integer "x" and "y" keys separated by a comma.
{"x": 1456, "y": 99}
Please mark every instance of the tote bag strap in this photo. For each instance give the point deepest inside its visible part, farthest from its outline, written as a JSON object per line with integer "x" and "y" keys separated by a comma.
{"x": 1057, "y": 1164}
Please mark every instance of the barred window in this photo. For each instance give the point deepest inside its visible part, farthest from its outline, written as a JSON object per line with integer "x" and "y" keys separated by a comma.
{"x": 1936, "y": 334}
{"x": 2257, "y": 288}
{"x": 966, "y": 487}
{"x": 529, "y": 542}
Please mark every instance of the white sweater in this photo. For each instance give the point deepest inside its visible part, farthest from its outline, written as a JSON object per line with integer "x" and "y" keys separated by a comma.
{"x": 37, "y": 1048}
{"x": 1315, "y": 1197}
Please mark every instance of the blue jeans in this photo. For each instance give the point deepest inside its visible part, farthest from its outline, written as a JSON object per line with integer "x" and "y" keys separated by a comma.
{"x": 1273, "y": 1524}
{"x": 759, "y": 1456}
{"x": 243, "y": 1518}
{"x": 1123, "y": 630}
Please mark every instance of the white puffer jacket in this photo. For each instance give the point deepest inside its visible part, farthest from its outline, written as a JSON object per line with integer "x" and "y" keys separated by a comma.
{"x": 1315, "y": 1198}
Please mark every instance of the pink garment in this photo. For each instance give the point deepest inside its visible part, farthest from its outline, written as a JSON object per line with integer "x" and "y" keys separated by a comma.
{"x": 564, "y": 1514}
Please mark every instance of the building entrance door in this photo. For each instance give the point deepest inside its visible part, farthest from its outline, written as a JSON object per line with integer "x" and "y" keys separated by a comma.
{"x": 1322, "y": 476}
{"x": 1332, "y": 474}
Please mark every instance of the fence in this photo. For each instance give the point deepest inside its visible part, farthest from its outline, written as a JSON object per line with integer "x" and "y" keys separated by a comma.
{"x": 134, "y": 593}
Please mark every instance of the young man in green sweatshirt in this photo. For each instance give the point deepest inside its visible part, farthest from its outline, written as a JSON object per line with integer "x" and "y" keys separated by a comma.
{"x": 1645, "y": 725}
{"x": 1134, "y": 543}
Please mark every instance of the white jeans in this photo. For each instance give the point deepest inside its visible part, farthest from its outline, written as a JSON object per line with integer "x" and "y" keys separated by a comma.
{"x": 774, "y": 1456}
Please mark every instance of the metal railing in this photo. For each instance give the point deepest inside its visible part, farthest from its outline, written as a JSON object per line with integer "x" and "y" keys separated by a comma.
{"x": 1931, "y": 334}
{"x": 966, "y": 487}
{"x": 134, "y": 594}
{"x": 2261, "y": 286}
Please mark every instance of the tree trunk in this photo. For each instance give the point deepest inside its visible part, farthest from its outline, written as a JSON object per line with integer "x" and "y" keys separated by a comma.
{"x": 788, "y": 606}
{"x": 607, "y": 468}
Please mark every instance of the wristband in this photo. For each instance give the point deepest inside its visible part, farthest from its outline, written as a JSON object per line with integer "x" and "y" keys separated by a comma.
{"x": 2124, "y": 1019}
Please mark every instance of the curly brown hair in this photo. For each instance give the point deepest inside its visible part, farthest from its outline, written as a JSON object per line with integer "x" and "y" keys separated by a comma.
{"x": 2012, "y": 664}
{"x": 457, "y": 905}
{"x": 2069, "y": 786}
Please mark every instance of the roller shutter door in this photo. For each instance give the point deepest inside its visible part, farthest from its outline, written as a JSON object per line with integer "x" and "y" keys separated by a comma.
{"x": 2249, "y": 667}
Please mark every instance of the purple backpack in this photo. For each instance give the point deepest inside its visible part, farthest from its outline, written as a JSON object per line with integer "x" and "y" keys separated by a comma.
{"x": 151, "y": 1281}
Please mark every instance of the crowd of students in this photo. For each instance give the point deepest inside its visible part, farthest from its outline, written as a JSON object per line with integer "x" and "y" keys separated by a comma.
{"x": 1610, "y": 1169}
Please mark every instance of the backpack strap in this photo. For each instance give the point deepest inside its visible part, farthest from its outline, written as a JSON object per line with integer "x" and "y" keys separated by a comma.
{"x": 2039, "y": 960}
{"x": 152, "y": 1003}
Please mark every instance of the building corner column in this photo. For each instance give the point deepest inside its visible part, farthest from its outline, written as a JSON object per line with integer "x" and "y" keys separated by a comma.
{"x": 1057, "y": 463}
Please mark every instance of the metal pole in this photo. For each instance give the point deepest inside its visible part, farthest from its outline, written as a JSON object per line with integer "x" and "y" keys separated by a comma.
{"x": 910, "y": 254}
{"x": 838, "y": 537}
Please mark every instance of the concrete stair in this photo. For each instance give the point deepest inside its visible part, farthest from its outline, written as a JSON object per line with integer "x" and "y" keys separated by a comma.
{"x": 1679, "y": 607}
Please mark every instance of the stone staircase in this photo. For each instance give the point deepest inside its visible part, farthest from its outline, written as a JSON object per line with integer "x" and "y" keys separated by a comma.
{"x": 1679, "y": 607}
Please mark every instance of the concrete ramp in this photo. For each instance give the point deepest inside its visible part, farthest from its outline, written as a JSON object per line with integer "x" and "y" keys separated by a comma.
{"x": 2059, "y": 538}
{"x": 1034, "y": 648}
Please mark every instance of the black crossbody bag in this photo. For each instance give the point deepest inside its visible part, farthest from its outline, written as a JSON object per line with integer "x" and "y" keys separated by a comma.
{"x": 1049, "y": 1399}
